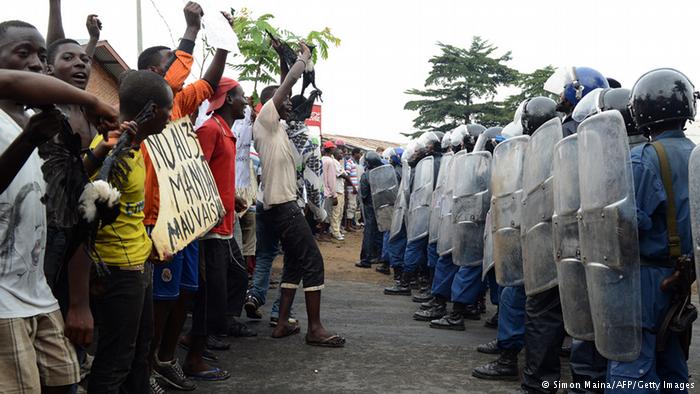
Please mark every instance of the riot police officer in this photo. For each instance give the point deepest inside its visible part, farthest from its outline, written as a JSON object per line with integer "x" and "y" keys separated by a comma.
{"x": 661, "y": 102}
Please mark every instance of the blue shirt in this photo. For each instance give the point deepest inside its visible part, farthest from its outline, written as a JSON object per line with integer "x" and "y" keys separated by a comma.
{"x": 651, "y": 196}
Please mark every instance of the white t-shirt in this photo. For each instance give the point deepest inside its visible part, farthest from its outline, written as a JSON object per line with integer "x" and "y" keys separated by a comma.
{"x": 23, "y": 288}
{"x": 243, "y": 130}
{"x": 339, "y": 180}
{"x": 278, "y": 180}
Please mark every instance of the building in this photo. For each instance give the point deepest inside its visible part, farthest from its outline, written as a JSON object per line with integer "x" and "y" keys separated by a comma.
{"x": 107, "y": 66}
{"x": 360, "y": 142}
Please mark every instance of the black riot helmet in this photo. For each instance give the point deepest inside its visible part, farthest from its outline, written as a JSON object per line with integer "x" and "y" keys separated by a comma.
{"x": 439, "y": 147}
{"x": 661, "y": 96}
{"x": 473, "y": 132}
{"x": 536, "y": 112}
{"x": 372, "y": 160}
{"x": 619, "y": 99}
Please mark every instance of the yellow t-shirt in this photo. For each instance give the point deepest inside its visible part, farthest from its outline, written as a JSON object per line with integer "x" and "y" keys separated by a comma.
{"x": 125, "y": 242}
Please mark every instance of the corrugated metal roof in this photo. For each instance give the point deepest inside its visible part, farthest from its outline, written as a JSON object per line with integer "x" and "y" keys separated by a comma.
{"x": 359, "y": 142}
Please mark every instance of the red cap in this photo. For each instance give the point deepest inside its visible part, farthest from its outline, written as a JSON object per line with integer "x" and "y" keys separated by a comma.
{"x": 329, "y": 144}
{"x": 217, "y": 99}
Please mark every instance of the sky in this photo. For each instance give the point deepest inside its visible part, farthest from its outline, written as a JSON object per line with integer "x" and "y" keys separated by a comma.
{"x": 386, "y": 45}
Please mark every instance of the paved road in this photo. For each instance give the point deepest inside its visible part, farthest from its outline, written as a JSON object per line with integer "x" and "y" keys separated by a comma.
{"x": 387, "y": 352}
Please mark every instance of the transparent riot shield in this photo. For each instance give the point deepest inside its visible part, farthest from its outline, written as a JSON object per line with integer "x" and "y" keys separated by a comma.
{"x": 384, "y": 186}
{"x": 401, "y": 205}
{"x": 571, "y": 272}
{"x": 421, "y": 195}
{"x": 539, "y": 270}
{"x": 437, "y": 198}
{"x": 444, "y": 241}
{"x": 471, "y": 202}
{"x": 506, "y": 190}
{"x": 608, "y": 235}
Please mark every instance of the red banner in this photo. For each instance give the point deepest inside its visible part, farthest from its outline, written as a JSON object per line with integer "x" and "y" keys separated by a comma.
{"x": 315, "y": 118}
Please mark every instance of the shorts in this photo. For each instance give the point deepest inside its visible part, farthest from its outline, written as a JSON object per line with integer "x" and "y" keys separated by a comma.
{"x": 34, "y": 353}
{"x": 247, "y": 222}
{"x": 180, "y": 273}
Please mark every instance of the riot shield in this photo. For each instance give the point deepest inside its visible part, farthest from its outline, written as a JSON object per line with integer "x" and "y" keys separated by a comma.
{"x": 384, "y": 186}
{"x": 418, "y": 219}
{"x": 488, "y": 247}
{"x": 444, "y": 241}
{"x": 539, "y": 270}
{"x": 608, "y": 235}
{"x": 438, "y": 197}
{"x": 694, "y": 193}
{"x": 570, "y": 270}
{"x": 401, "y": 205}
{"x": 506, "y": 190}
{"x": 471, "y": 201}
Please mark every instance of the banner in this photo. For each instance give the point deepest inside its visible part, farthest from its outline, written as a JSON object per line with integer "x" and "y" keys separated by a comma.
{"x": 190, "y": 205}
{"x": 315, "y": 118}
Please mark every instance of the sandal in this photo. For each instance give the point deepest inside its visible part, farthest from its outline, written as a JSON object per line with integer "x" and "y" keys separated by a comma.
{"x": 332, "y": 341}
{"x": 210, "y": 375}
{"x": 291, "y": 330}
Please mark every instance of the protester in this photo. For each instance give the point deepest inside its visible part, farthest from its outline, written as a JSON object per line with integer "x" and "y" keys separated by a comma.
{"x": 123, "y": 305}
{"x": 304, "y": 259}
{"x": 351, "y": 190}
{"x": 32, "y": 325}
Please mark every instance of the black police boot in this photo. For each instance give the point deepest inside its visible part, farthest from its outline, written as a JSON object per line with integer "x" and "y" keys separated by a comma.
{"x": 492, "y": 322}
{"x": 403, "y": 287}
{"x": 398, "y": 270}
{"x": 436, "y": 312}
{"x": 481, "y": 304}
{"x": 383, "y": 268}
{"x": 489, "y": 348}
{"x": 471, "y": 312}
{"x": 454, "y": 321}
{"x": 429, "y": 304}
{"x": 503, "y": 368}
{"x": 423, "y": 295}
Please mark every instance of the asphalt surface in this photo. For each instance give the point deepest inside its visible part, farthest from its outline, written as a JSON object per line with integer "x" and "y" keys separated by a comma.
{"x": 386, "y": 351}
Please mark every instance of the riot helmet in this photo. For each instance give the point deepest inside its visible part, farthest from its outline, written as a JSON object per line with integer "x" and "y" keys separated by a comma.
{"x": 430, "y": 142}
{"x": 395, "y": 159}
{"x": 473, "y": 132}
{"x": 445, "y": 143}
{"x": 441, "y": 136}
{"x": 457, "y": 136}
{"x": 388, "y": 152}
{"x": 372, "y": 160}
{"x": 600, "y": 100}
{"x": 661, "y": 96}
{"x": 512, "y": 129}
{"x": 571, "y": 84}
{"x": 483, "y": 140}
{"x": 536, "y": 112}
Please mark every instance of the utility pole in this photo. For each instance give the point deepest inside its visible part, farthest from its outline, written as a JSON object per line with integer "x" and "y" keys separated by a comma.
{"x": 139, "y": 32}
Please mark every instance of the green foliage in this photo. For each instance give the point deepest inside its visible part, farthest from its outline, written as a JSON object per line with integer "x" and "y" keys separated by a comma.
{"x": 531, "y": 85}
{"x": 257, "y": 61}
{"x": 462, "y": 86}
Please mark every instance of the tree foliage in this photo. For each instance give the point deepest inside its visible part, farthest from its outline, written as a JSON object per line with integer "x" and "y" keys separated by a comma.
{"x": 257, "y": 61}
{"x": 461, "y": 87}
{"x": 463, "y": 84}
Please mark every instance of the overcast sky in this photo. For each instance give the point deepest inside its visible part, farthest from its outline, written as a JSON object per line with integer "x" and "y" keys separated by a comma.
{"x": 386, "y": 44}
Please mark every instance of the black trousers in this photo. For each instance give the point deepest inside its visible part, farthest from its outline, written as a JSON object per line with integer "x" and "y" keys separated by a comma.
{"x": 544, "y": 335}
{"x": 223, "y": 281}
{"x": 303, "y": 260}
{"x": 123, "y": 310}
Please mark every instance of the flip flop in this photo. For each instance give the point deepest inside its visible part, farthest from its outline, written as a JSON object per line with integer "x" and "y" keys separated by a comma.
{"x": 291, "y": 330}
{"x": 332, "y": 341}
{"x": 210, "y": 375}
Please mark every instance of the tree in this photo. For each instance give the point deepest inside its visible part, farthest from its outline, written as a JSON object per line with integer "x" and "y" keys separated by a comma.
{"x": 257, "y": 61}
{"x": 461, "y": 87}
{"x": 531, "y": 85}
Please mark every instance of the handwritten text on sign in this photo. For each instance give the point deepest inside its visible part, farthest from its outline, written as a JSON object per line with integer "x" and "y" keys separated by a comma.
{"x": 190, "y": 205}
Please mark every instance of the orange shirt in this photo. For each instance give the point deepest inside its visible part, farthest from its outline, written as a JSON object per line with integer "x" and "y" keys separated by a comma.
{"x": 186, "y": 101}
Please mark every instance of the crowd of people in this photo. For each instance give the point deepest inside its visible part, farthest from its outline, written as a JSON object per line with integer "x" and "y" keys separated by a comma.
{"x": 575, "y": 219}
{"x": 84, "y": 288}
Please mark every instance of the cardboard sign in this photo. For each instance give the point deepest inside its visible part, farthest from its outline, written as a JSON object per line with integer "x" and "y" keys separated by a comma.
{"x": 190, "y": 205}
